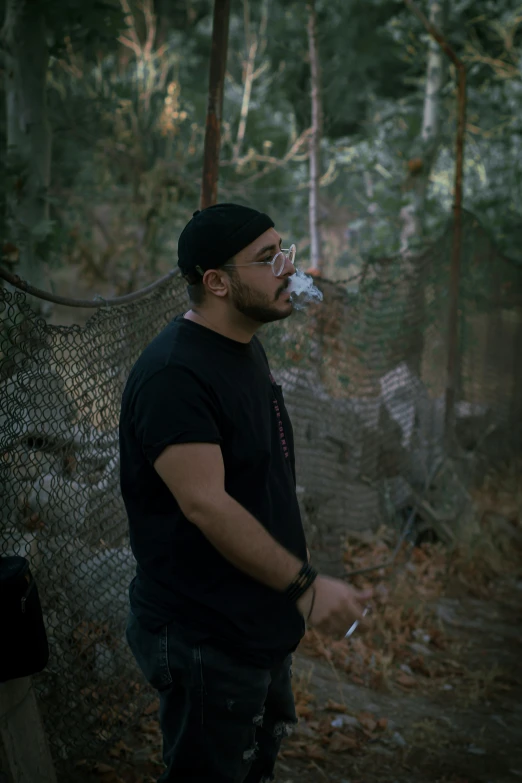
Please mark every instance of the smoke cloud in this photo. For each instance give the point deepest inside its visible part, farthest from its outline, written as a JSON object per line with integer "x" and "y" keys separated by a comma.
{"x": 302, "y": 290}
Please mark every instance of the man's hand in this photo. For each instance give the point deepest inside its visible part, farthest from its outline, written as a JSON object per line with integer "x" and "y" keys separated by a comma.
{"x": 336, "y": 606}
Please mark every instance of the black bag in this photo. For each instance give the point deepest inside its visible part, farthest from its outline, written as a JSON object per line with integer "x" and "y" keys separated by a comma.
{"x": 23, "y": 646}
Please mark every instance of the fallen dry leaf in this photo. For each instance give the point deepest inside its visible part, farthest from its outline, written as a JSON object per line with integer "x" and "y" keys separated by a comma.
{"x": 299, "y": 750}
{"x": 367, "y": 721}
{"x": 103, "y": 769}
{"x": 119, "y": 749}
{"x": 315, "y": 752}
{"x": 340, "y": 743}
{"x": 153, "y": 707}
{"x": 406, "y": 680}
{"x": 304, "y": 710}
{"x": 108, "y": 774}
{"x": 335, "y": 706}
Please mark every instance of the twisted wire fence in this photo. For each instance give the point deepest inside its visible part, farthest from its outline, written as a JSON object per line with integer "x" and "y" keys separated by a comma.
{"x": 364, "y": 377}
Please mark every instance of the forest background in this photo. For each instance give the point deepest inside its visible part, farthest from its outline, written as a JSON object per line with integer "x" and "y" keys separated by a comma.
{"x": 103, "y": 116}
{"x": 349, "y": 107}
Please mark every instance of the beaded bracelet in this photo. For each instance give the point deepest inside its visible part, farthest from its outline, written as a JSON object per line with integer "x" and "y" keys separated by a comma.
{"x": 298, "y": 586}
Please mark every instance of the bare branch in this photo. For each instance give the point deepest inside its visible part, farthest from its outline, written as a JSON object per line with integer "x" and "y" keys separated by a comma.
{"x": 150, "y": 26}
{"x": 245, "y": 104}
{"x": 72, "y": 64}
{"x": 251, "y": 73}
{"x": 262, "y": 28}
{"x": 502, "y": 68}
{"x": 434, "y": 32}
{"x": 275, "y": 163}
{"x": 246, "y": 22}
{"x": 262, "y": 68}
{"x": 136, "y": 48}
{"x": 133, "y": 40}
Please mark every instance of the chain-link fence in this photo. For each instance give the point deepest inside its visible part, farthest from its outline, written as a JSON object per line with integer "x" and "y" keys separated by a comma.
{"x": 364, "y": 376}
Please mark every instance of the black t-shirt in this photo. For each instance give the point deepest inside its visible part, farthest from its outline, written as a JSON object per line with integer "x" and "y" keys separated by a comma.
{"x": 191, "y": 385}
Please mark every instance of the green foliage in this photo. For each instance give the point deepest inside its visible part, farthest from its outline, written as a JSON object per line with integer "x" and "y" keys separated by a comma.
{"x": 128, "y": 123}
{"x": 89, "y": 24}
{"x": 360, "y": 59}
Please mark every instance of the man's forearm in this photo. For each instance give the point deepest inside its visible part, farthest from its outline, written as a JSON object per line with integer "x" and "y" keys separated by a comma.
{"x": 245, "y": 543}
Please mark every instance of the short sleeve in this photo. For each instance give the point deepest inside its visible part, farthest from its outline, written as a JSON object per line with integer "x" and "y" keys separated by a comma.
{"x": 173, "y": 406}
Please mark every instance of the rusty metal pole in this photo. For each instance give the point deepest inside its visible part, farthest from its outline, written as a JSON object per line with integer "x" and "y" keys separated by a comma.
{"x": 454, "y": 283}
{"x": 218, "y": 61}
{"x": 453, "y": 321}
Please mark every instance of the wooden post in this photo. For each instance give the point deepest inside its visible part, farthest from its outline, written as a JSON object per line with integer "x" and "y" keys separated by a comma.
{"x": 23, "y": 735}
{"x": 454, "y": 284}
{"x": 218, "y": 61}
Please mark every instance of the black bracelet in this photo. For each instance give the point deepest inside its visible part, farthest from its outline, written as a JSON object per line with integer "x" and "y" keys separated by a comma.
{"x": 298, "y": 586}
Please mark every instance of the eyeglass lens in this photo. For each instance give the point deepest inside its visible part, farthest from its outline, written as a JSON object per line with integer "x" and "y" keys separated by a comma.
{"x": 280, "y": 260}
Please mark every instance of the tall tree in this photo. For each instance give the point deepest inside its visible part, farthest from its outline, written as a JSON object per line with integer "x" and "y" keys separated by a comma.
{"x": 26, "y": 55}
{"x": 315, "y": 141}
{"x": 428, "y": 144}
{"x": 28, "y": 27}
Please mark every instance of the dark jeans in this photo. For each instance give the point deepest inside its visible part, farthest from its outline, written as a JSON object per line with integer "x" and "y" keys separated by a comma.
{"x": 222, "y": 720}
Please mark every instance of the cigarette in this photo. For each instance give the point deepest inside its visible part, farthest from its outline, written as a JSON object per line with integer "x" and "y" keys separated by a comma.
{"x": 352, "y": 628}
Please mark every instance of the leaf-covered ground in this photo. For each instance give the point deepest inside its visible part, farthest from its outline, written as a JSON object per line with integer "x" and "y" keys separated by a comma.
{"x": 433, "y": 692}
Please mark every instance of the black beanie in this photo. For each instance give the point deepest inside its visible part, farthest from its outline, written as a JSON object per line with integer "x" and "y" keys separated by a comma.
{"x": 217, "y": 233}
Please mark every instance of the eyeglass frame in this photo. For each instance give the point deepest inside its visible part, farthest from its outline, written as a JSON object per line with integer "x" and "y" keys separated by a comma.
{"x": 284, "y": 251}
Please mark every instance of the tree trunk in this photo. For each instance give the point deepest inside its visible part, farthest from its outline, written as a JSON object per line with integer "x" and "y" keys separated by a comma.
{"x": 421, "y": 165}
{"x": 26, "y": 56}
{"x": 255, "y": 44}
{"x": 413, "y": 217}
{"x": 315, "y": 142}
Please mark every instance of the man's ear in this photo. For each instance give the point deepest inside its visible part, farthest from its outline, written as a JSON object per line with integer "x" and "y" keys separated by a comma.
{"x": 216, "y": 282}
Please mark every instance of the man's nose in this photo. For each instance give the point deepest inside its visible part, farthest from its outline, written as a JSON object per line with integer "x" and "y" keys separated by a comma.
{"x": 288, "y": 269}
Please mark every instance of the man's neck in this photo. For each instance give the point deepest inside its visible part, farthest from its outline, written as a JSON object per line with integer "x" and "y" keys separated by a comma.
{"x": 241, "y": 333}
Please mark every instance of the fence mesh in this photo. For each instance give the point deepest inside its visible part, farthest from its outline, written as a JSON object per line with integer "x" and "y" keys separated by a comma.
{"x": 363, "y": 376}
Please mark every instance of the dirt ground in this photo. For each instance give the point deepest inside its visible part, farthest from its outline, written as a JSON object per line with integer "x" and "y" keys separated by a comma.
{"x": 463, "y": 727}
{"x": 433, "y": 692}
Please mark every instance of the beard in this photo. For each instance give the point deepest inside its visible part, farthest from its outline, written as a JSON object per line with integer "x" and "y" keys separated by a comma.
{"x": 255, "y": 305}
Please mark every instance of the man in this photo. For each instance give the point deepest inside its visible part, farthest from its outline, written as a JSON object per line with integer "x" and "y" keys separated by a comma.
{"x": 223, "y": 584}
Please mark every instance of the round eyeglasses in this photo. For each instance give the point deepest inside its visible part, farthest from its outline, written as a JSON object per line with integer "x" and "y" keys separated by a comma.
{"x": 277, "y": 263}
